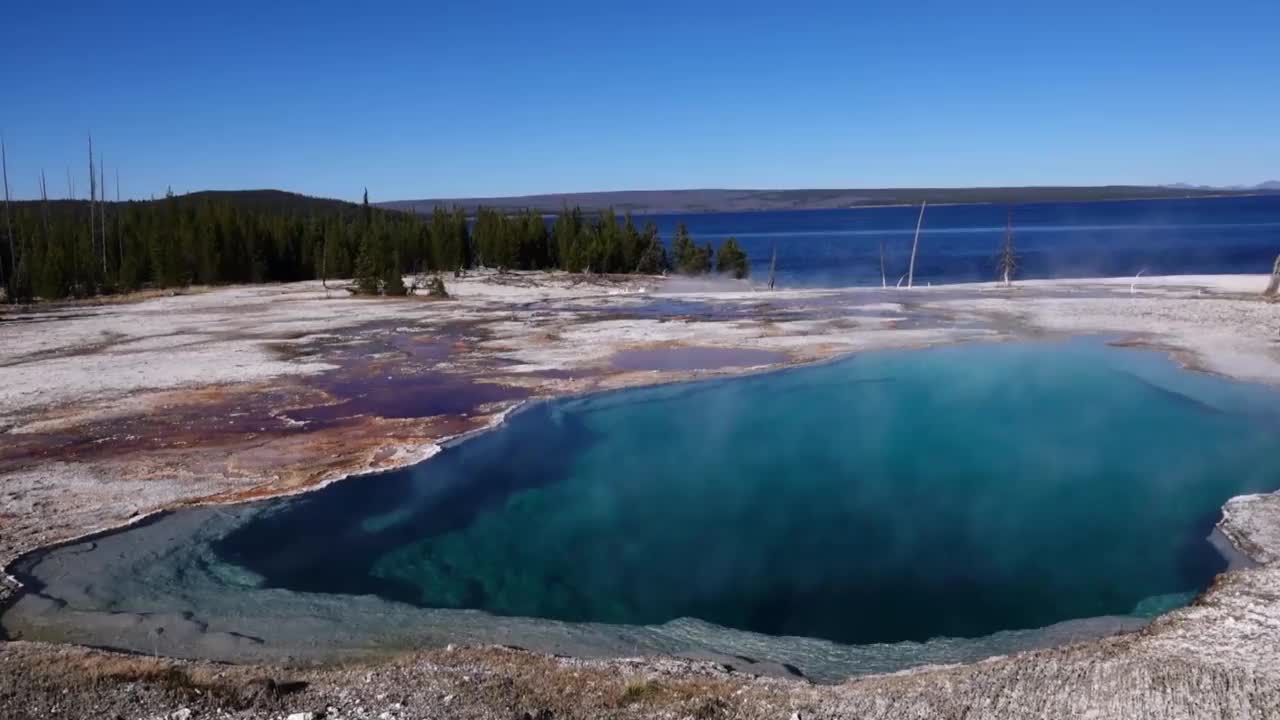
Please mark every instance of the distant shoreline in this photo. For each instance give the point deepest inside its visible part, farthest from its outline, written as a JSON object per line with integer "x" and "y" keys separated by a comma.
{"x": 707, "y": 202}
{"x": 593, "y": 202}
{"x": 1222, "y": 196}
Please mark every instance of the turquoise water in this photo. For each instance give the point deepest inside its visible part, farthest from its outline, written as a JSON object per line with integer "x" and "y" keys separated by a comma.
{"x": 896, "y": 496}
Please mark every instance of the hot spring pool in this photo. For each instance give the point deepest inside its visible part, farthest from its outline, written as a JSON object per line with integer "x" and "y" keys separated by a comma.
{"x": 978, "y": 492}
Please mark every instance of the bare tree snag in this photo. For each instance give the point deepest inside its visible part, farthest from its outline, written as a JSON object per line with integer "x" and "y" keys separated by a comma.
{"x": 93, "y": 196}
{"x": 915, "y": 244}
{"x": 1273, "y": 288}
{"x": 102, "y": 211}
{"x": 8, "y": 223}
{"x": 884, "y": 283}
{"x": 1007, "y": 265}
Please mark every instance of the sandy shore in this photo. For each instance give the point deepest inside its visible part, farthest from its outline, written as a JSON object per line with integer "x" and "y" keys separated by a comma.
{"x": 110, "y": 413}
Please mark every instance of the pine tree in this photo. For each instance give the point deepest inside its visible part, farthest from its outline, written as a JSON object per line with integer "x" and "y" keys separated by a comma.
{"x": 464, "y": 251}
{"x": 683, "y": 251}
{"x": 689, "y": 258}
{"x": 653, "y": 255}
{"x": 443, "y": 241}
{"x": 532, "y": 251}
{"x": 605, "y": 250}
{"x": 53, "y": 278}
{"x": 504, "y": 248}
{"x": 331, "y": 253}
{"x": 484, "y": 234}
{"x": 567, "y": 235}
{"x": 731, "y": 260}
{"x": 633, "y": 244}
{"x": 392, "y": 281}
{"x": 494, "y": 236}
{"x": 368, "y": 265}
{"x": 435, "y": 287}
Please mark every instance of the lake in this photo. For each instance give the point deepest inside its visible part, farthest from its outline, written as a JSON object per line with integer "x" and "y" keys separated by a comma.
{"x": 958, "y": 243}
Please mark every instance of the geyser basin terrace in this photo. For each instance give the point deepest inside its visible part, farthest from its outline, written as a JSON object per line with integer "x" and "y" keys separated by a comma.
{"x": 953, "y": 492}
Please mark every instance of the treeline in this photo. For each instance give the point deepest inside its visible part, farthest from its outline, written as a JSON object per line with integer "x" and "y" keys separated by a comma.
{"x": 58, "y": 251}
{"x": 523, "y": 241}
{"x": 75, "y": 248}
{"x": 603, "y": 244}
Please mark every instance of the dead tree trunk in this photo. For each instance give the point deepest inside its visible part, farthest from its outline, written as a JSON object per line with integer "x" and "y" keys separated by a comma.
{"x": 102, "y": 212}
{"x": 1008, "y": 262}
{"x": 915, "y": 244}
{"x": 75, "y": 244}
{"x": 44, "y": 203}
{"x": 8, "y": 223}
{"x": 93, "y": 196}
{"x": 44, "y": 207}
{"x": 1273, "y": 288}
{"x": 44, "y": 222}
{"x": 884, "y": 283}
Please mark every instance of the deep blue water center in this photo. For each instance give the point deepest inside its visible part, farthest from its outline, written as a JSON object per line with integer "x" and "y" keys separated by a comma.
{"x": 895, "y": 496}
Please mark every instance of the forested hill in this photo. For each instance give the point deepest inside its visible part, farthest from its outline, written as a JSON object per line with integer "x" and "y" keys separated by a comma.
{"x": 73, "y": 248}
{"x": 271, "y": 201}
{"x": 716, "y": 200}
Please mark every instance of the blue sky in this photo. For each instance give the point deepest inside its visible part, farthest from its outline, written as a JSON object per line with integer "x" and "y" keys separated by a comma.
{"x": 424, "y": 99}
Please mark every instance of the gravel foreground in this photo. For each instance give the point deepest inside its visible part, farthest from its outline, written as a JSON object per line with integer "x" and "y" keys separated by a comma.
{"x": 1219, "y": 657}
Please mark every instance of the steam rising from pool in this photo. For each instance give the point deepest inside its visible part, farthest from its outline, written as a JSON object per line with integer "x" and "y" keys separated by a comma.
{"x": 965, "y": 492}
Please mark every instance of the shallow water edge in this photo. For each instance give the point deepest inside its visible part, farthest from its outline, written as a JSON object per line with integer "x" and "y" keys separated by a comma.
{"x": 322, "y": 629}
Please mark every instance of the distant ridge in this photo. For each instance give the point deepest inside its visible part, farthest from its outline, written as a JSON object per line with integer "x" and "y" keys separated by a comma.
{"x": 266, "y": 199}
{"x": 1268, "y": 186}
{"x": 273, "y": 200}
{"x": 720, "y": 200}
{"x": 725, "y": 200}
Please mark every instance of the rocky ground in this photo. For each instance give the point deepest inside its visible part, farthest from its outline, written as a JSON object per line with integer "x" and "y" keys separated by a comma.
{"x": 111, "y": 412}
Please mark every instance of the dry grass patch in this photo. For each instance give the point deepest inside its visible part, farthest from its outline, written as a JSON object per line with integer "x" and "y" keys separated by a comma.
{"x": 639, "y": 691}
{"x": 699, "y": 699}
{"x": 233, "y": 687}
